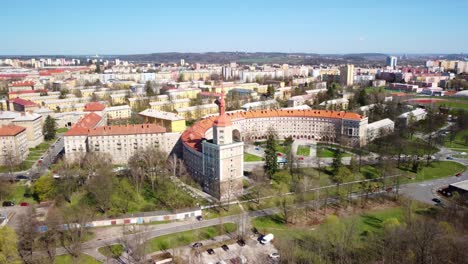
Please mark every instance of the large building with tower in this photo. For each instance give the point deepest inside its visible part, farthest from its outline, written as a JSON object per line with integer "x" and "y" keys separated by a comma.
{"x": 213, "y": 147}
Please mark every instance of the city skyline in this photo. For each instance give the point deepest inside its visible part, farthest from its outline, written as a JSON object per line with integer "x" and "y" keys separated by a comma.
{"x": 142, "y": 27}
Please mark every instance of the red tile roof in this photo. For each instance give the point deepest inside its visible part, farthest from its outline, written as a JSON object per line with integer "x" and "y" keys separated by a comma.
{"x": 193, "y": 136}
{"x": 23, "y": 102}
{"x": 82, "y": 127}
{"x": 21, "y": 84}
{"x": 126, "y": 130}
{"x": 94, "y": 106}
{"x": 11, "y": 130}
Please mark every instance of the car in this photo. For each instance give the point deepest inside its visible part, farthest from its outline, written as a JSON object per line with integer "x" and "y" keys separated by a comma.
{"x": 199, "y": 218}
{"x": 257, "y": 148}
{"x": 301, "y": 158}
{"x": 449, "y": 158}
{"x": 210, "y": 251}
{"x": 21, "y": 177}
{"x": 24, "y": 204}
{"x": 267, "y": 239}
{"x": 436, "y": 200}
{"x": 274, "y": 255}
{"x": 225, "y": 247}
{"x": 279, "y": 154}
{"x": 241, "y": 242}
{"x": 197, "y": 245}
{"x": 458, "y": 174}
{"x": 8, "y": 203}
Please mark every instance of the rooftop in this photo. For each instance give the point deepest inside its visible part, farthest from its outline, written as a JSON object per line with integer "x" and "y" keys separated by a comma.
{"x": 82, "y": 127}
{"x": 23, "y": 102}
{"x": 461, "y": 185}
{"x": 10, "y": 130}
{"x": 126, "y": 130}
{"x": 161, "y": 115}
{"x": 94, "y": 106}
{"x": 21, "y": 84}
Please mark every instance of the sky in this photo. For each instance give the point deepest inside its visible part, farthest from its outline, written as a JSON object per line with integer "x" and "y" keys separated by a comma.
{"x": 85, "y": 27}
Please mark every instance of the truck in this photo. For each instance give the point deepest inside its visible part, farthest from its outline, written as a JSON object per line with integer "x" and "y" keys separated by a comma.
{"x": 267, "y": 238}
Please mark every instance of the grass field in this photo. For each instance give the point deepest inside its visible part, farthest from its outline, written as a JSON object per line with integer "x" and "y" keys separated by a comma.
{"x": 83, "y": 259}
{"x": 303, "y": 151}
{"x": 61, "y": 130}
{"x": 326, "y": 152}
{"x": 437, "y": 169}
{"x": 111, "y": 251}
{"x": 250, "y": 157}
{"x": 459, "y": 141}
{"x": 453, "y": 104}
{"x": 187, "y": 237}
{"x": 18, "y": 194}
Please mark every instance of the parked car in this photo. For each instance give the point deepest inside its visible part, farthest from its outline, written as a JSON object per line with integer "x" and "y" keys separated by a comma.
{"x": 274, "y": 255}
{"x": 8, "y": 203}
{"x": 449, "y": 158}
{"x": 225, "y": 247}
{"x": 210, "y": 251}
{"x": 24, "y": 204}
{"x": 267, "y": 239}
{"x": 301, "y": 158}
{"x": 458, "y": 174}
{"x": 197, "y": 245}
{"x": 21, "y": 177}
{"x": 199, "y": 218}
{"x": 241, "y": 242}
{"x": 436, "y": 200}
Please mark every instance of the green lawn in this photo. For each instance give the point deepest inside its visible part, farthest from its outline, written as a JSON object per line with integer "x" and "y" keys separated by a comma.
{"x": 453, "y": 104}
{"x": 326, "y": 152}
{"x": 187, "y": 237}
{"x": 111, "y": 251}
{"x": 221, "y": 212}
{"x": 437, "y": 169}
{"x": 61, "y": 130}
{"x": 459, "y": 141}
{"x": 250, "y": 157}
{"x": 18, "y": 194}
{"x": 83, "y": 259}
{"x": 303, "y": 151}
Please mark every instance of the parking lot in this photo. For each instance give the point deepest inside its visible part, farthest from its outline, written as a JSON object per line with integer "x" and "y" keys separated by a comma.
{"x": 252, "y": 252}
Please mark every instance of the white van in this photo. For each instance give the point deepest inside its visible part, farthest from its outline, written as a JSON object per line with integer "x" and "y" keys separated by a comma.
{"x": 267, "y": 239}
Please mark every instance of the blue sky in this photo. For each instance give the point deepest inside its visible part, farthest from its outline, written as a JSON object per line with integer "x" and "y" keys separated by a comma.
{"x": 143, "y": 26}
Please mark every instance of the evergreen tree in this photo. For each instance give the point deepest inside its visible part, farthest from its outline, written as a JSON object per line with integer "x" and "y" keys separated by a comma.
{"x": 149, "y": 88}
{"x": 337, "y": 164}
{"x": 49, "y": 128}
{"x": 271, "y": 165}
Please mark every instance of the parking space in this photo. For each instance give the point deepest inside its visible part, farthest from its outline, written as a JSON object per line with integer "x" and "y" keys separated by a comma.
{"x": 251, "y": 252}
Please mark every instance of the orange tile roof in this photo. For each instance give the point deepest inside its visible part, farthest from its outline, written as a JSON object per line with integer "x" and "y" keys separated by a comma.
{"x": 126, "y": 130}
{"x": 193, "y": 136}
{"x": 94, "y": 106}
{"x": 11, "y": 130}
{"x": 81, "y": 128}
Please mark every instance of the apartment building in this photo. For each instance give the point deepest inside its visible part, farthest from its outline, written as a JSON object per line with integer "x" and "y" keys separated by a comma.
{"x": 13, "y": 145}
{"x": 379, "y": 129}
{"x": 198, "y": 111}
{"x": 347, "y": 75}
{"x": 118, "y": 112}
{"x": 121, "y": 142}
{"x": 171, "y": 121}
{"x": 32, "y": 122}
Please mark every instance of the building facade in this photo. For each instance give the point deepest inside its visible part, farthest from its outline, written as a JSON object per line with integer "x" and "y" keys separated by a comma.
{"x": 13, "y": 144}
